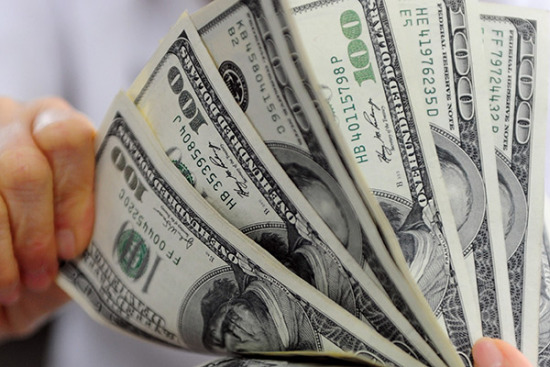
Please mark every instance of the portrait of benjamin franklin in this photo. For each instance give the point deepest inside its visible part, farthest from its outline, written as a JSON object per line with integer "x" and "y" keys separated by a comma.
{"x": 427, "y": 260}
{"x": 465, "y": 189}
{"x": 256, "y": 317}
{"x": 229, "y": 311}
{"x": 324, "y": 194}
{"x": 459, "y": 188}
{"x": 310, "y": 263}
{"x": 514, "y": 207}
{"x": 321, "y": 198}
{"x": 507, "y": 204}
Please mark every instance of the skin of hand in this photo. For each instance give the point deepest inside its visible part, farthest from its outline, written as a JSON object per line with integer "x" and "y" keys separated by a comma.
{"x": 489, "y": 352}
{"x": 46, "y": 205}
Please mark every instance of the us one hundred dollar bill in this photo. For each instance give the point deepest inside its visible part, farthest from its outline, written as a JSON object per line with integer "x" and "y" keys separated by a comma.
{"x": 516, "y": 48}
{"x": 442, "y": 40}
{"x": 271, "y": 83}
{"x": 211, "y": 141}
{"x": 164, "y": 265}
{"x": 354, "y": 55}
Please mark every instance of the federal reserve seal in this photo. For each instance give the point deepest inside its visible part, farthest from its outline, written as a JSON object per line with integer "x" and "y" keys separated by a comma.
{"x": 131, "y": 252}
{"x": 235, "y": 81}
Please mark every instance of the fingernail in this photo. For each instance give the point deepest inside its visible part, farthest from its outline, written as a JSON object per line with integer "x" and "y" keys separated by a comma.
{"x": 50, "y": 116}
{"x": 66, "y": 243}
{"x": 487, "y": 354}
{"x": 10, "y": 295}
{"x": 37, "y": 280}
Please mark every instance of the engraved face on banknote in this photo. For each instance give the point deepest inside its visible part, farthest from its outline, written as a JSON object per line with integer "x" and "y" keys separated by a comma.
{"x": 324, "y": 194}
{"x": 306, "y": 260}
{"x": 427, "y": 261}
{"x": 238, "y": 313}
{"x": 514, "y": 208}
{"x": 465, "y": 189}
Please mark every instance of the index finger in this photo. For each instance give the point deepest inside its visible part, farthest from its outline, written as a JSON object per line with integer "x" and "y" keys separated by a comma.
{"x": 66, "y": 137}
{"x": 26, "y": 188}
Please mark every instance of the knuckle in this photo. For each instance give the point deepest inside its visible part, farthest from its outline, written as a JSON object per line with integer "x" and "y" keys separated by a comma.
{"x": 70, "y": 132}
{"x": 70, "y": 199}
{"x": 24, "y": 169}
{"x": 35, "y": 253}
{"x": 71, "y": 204}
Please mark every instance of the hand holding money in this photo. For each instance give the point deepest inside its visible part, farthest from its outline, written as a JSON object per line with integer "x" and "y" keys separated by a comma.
{"x": 22, "y": 310}
{"x": 46, "y": 205}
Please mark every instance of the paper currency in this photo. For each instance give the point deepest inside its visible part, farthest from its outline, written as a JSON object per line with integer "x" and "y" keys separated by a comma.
{"x": 219, "y": 151}
{"x": 442, "y": 45}
{"x": 165, "y": 266}
{"x": 516, "y": 47}
{"x": 354, "y": 57}
{"x": 256, "y": 38}
{"x": 244, "y": 39}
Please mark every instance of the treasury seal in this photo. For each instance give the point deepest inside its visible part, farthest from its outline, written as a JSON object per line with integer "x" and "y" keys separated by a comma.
{"x": 235, "y": 81}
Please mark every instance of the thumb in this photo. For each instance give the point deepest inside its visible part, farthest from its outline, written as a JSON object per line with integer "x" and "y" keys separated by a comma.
{"x": 497, "y": 353}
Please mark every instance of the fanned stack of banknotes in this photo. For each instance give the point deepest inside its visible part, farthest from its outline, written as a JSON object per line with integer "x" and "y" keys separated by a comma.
{"x": 352, "y": 179}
